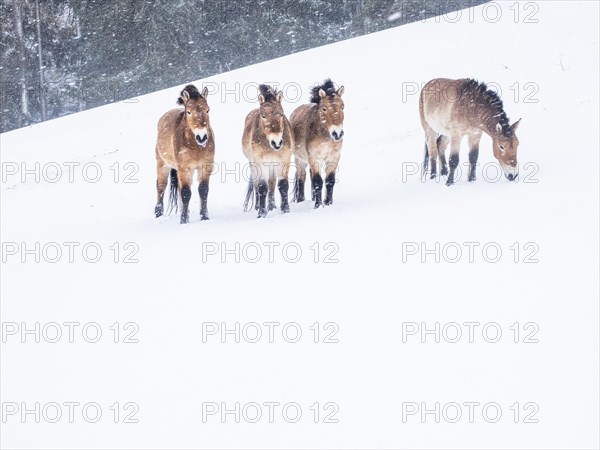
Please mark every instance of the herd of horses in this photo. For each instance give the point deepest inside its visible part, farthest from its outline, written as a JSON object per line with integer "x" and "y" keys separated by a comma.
{"x": 313, "y": 135}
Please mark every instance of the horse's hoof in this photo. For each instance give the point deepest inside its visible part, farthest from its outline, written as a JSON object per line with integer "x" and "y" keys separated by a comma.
{"x": 444, "y": 172}
{"x": 272, "y": 207}
{"x": 432, "y": 176}
{"x": 328, "y": 202}
{"x": 183, "y": 221}
{"x": 449, "y": 182}
{"x": 317, "y": 205}
{"x": 204, "y": 217}
{"x": 471, "y": 178}
{"x": 285, "y": 208}
{"x": 262, "y": 213}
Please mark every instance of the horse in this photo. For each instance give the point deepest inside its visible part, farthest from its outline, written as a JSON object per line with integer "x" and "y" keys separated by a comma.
{"x": 451, "y": 109}
{"x": 267, "y": 142}
{"x": 318, "y": 133}
{"x": 185, "y": 144}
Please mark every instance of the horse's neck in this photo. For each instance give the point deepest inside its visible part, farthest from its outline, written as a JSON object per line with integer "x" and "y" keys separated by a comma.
{"x": 316, "y": 121}
{"x": 486, "y": 121}
{"x": 484, "y": 117}
{"x": 258, "y": 133}
{"x": 187, "y": 135}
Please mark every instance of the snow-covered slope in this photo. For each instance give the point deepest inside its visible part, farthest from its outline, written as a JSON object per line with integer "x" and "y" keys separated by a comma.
{"x": 544, "y": 61}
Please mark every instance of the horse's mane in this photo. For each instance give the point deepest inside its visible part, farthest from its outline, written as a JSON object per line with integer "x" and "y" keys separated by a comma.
{"x": 327, "y": 86}
{"x": 267, "y": 92}
{"x": 193, "y": 92}
{"x": 490, "y": 98}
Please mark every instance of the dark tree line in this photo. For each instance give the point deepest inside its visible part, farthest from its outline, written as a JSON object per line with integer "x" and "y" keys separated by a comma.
{"x": 64, "y": 56}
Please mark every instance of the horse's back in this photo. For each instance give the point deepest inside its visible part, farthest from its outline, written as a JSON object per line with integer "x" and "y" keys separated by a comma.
{"x": 300, "y": 121}
{"x": 165, "y": 141}
{"x": 438, "y": 103}
{"x": 249, "y": 124}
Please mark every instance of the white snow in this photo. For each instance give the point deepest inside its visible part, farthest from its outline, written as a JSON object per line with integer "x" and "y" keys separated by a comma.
{"x": 547, "y": 73}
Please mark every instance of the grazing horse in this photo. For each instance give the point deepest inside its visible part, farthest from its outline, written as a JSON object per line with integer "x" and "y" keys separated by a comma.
{"x": 185, "y": 144}
{"x": 318, "y": 133}
{"x": 267, "y": 143}
{"x": 451, "y": 109}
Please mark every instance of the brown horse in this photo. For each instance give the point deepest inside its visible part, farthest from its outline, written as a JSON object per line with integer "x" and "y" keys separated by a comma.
{"x": 267, "y": 143}
{"x": 185, "y": 144}
{"x": 318, "y": 133}
{"x": 451, "y": 109}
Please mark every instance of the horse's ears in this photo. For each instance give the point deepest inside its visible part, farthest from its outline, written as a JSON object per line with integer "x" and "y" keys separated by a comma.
{"x": 322, "y": 93}
{"x": 498, "y": 128}
{"x": 185, "y": 96}
{"x": 205, "y": 92}
{"x": 340, "y": 91}
{"x": 279, "y": 96}
{"x": 261, "y": 98}
{"x": 515, "y": 125}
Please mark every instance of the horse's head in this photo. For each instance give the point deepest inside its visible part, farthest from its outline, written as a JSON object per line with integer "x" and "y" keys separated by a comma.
{"x": 271, "y": 120}
{"x": 505, "y": 144}
{"x": 196, "y": 112}
{"x": 331, "y": 108}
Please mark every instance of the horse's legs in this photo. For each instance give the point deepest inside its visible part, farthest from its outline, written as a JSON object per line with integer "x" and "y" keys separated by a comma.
{"x": 162, "y": 178}
{"x": 473, "y": 154}
{"x": 432, "y": 149}
{"x": 261, "y": 195}
{"x": 284, "y": 187}
{"x": 442, "y": 145}
{"x": 317, "y": 183}
{"x": 454, "y": 151}
{"x": 271, "y": 194}
{"x": 299, "y": 184}
{"x": 204, "y": 173}
{"x": 330, "y": 170}
{"x": 185, "y": 183}
{"x": 203, "y": 191}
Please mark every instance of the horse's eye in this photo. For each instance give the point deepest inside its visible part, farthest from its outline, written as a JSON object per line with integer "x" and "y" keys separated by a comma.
{"x": 264, "y": 116}
{"x": 324, "y": 109}
{"x": 502, "y": 147}
{"x": 189, "y": 112}
{"x": 207, "y": 110}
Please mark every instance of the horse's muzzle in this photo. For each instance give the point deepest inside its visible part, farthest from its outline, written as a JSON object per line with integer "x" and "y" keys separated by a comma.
{"x": 512, "y": 177}
{"x": 337, "y": 136}
{"x": 277, "y": 145}
{"x": 202, "y": 140}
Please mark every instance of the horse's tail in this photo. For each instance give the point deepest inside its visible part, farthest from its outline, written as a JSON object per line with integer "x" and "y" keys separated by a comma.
{"x": 249, "y": 200}
{"x": 296, "y": 188}
{"x": 174, "y": 190}
{"x": 425, "y": 161}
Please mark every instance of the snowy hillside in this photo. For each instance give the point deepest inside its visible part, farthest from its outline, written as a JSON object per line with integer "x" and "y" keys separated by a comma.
{"x": 359, "y": 268}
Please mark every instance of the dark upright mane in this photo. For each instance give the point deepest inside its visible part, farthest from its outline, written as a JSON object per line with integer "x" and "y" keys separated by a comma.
{"x": 192, "y": 91}
{"x": 327, "y": 86}
{"x": 267, "y": 92}
{"x": 490, "y": 98}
